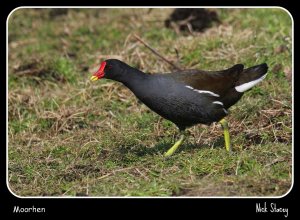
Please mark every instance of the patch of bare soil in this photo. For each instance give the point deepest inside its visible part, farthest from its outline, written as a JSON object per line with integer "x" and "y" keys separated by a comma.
{"x": 191, "y": 19}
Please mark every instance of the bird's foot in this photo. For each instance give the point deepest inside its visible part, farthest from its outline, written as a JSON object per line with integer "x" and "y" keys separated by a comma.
{"x": 175, "y": 146}
{"x": 225, "y": 127}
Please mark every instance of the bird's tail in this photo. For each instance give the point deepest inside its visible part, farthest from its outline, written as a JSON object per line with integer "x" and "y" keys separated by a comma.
{"x": 251, "y": 76}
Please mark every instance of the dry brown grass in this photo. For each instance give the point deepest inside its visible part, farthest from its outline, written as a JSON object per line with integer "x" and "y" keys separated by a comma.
{"x": 70, "y": 137}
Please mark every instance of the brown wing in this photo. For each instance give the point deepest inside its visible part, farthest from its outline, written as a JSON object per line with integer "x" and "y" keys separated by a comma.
{"x": 219, "y": 82}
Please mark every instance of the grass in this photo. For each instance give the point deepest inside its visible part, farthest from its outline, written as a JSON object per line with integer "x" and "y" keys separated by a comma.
{"x": 70, "y": 137}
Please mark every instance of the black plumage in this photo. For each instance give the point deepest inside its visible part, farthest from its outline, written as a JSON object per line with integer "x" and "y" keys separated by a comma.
{"x": 187, "y": 97}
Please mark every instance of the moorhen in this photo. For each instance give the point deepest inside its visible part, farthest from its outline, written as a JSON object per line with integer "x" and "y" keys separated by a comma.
{"x": 186, "y": 97}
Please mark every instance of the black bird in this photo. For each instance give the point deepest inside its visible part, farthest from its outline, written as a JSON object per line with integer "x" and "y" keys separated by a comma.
{"x": 186, "y": 97}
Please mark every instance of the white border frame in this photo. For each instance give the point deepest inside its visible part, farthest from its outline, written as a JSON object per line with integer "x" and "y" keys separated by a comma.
{"x": 145, "y": 197}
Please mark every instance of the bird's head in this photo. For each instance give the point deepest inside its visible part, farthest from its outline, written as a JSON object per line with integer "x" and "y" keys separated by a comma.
{"x": 109, "y": 69}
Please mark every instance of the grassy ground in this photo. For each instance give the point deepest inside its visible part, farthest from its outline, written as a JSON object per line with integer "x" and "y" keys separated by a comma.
{"x": 70, "y": 137}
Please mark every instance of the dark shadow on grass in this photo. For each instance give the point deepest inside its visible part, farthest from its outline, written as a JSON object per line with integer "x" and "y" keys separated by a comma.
{"x": 132, "y": 153}
{"x": 219, "y": 143}
{"x": 161, "y": 148}
{"x": 143, "y": 150}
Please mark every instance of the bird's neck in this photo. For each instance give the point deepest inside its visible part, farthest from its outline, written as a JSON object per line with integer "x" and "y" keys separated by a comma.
{"x": 133, "y": 78}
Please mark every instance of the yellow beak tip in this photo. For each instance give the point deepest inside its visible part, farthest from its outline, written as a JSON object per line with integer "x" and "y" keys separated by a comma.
{"x": 94, "y": 78}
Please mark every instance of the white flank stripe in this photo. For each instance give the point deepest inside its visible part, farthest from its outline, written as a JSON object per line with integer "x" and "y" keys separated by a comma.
{"x": 218, "y": 103}
{"x": 225, "y": 111}
{"x": 205, "y": 91}
{"x": 189, "y": 87}
{"x": 244, "y": 87}
{"x": 202, "y": 91}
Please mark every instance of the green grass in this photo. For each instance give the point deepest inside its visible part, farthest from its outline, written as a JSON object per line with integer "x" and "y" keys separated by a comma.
{"x": 70, "y": 137}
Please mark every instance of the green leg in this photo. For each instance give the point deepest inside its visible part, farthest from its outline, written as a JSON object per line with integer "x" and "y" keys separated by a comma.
{"x": 224, "y": 124}
{"x": 175, "y": 146}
